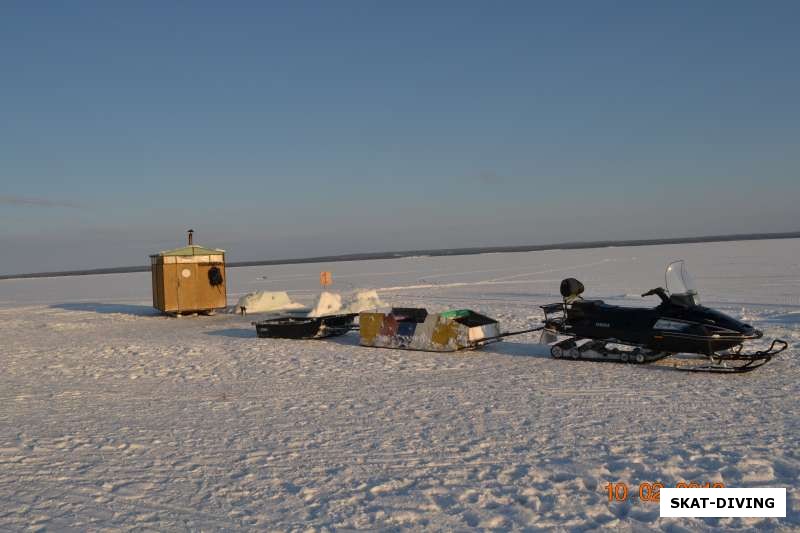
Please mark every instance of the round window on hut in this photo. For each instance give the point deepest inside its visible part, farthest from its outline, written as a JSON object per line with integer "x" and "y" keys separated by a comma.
{"x": 186, "y": 272}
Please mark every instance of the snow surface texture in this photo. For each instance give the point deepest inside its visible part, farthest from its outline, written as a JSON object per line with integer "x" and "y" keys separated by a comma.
{"x": 266, "y": 302}
{"x": 330, "y": 303}
{"x": 115, "y": 417}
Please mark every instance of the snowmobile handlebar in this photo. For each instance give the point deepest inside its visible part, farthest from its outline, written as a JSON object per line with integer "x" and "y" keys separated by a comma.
{"x": 658, "y": 291}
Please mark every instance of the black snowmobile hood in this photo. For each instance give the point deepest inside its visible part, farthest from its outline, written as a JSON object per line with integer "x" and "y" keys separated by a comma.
{"x": 709, "y": 317}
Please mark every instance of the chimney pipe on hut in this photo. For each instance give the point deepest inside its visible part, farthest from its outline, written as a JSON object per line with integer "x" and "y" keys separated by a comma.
{"x": 190, "y": 232}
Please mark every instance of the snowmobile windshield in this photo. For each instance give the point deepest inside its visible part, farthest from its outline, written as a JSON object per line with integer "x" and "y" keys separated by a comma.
{"x": 680, "y": 284}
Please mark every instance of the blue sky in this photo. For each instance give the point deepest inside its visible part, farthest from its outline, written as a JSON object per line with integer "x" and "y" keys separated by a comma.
{"x": 306, "y": 128}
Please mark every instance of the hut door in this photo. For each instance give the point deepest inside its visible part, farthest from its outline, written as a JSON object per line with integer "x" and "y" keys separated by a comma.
{"x": 187, "y": 286}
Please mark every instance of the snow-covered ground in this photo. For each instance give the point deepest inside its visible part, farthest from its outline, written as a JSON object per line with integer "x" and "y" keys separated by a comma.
{"x": 114, "y": 417}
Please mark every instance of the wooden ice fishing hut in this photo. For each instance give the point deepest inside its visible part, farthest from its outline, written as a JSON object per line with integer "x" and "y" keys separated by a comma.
{"x": 189, "y": 279}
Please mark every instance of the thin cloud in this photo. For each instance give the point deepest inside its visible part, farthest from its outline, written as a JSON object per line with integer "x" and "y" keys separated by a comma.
{"x": 28, "y": 201}
{"x": 487, "y": 177}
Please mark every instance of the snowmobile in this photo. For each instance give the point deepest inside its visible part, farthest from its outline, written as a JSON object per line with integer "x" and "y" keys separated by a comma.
{"x": 679, "y": 324}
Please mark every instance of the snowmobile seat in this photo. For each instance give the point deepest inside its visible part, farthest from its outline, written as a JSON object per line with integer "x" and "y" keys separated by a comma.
{"x": 581, "y": 308}
{"x": 591, "y": 304}
{"x": 597, "y": 310}
{"x": 591, "y": 308}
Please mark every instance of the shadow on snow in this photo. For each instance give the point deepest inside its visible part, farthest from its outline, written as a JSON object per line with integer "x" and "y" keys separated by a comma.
{"x": 104, "y": 308}
{"x": 237, "y": 333}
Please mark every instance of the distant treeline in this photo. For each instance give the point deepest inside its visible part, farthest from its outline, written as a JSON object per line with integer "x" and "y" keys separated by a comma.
{"x": 450, "y": 251}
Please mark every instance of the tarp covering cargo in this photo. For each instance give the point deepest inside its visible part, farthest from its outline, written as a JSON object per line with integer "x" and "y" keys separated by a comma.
{"x": 416, "y": 329}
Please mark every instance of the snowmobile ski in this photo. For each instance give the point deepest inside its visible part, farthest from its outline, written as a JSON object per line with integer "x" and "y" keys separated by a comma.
{"x": 722, "y": 363}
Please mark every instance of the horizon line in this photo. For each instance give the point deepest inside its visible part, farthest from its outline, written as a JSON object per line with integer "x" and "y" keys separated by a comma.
{"x": 368, "y": 256}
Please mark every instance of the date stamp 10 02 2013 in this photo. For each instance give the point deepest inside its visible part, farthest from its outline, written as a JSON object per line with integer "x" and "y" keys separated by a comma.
{"x": 650, "y": 492}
